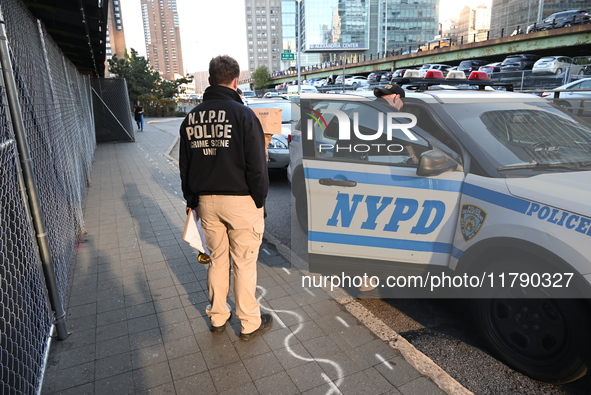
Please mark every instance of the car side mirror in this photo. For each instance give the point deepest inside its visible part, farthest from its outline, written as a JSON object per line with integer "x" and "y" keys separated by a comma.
{"x": 434, "y": 163}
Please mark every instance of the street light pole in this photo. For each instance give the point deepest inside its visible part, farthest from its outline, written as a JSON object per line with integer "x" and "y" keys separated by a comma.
{"x": 299, "y": 44}
{"x": 385, "y": 26}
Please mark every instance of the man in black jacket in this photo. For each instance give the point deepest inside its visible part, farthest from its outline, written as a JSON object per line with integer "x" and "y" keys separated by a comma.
{"x": 224, "y": 178}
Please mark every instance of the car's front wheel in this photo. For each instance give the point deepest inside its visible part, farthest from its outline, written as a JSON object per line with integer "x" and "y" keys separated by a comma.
{"x": 558, "y": 71}
{"x": 546, "y": 339}
{"x": 531, "y": 329}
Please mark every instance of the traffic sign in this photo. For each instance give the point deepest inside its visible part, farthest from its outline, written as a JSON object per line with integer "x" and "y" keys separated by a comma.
{"x": 287, "y": 56}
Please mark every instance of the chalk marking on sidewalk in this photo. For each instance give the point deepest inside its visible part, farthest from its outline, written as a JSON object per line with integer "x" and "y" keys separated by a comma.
{"x": 286, "y": 271}
{"x": 266, "y": 252}
{"x": 382, "y": 360}
{"x": 333, "y": 387}
{"x": 342, "y": 321}
{"x": 310, "y": 292}
{"x": 336, "y": 366}
{"x": 419, "y": 361}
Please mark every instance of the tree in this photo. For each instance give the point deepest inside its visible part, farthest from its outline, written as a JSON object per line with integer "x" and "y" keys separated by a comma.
{"x": 170, "y": 88}
{"x": 261, "y": 77}
{"x": 146, "y": 85}
{"x": 141, "y": 79}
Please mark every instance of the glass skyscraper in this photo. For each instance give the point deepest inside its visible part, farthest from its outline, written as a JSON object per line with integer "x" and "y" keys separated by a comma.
{"x": 335, "y": 25}
{"x": 406, "y": 23}
{"x": 331, "y": 28}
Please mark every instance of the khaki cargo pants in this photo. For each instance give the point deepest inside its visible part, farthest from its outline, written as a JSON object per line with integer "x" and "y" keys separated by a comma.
{"x": 233, "y": 228}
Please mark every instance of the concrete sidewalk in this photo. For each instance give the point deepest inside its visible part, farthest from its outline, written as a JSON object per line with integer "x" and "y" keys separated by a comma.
{"x": 136, "y": 310}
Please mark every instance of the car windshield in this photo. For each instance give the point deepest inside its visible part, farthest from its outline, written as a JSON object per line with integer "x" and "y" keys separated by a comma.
{"x": 517, "y": 135}
{"x": 285, "y": 107}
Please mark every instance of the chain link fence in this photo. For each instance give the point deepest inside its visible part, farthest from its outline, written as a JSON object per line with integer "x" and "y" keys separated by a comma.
{"x": 54, "y": 135}
{"x": 112, "y": 110}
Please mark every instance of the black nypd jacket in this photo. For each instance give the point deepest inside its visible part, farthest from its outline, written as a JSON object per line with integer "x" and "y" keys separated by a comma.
{"x": 222, "y": 149}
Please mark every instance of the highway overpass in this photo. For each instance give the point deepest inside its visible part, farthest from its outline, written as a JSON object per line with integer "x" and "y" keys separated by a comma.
{"x": 568, "y": 41}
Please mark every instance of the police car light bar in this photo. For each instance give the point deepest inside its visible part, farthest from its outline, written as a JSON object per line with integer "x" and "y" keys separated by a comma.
{"x": 423, "y": 84}
{"x": 455, "y": 75}
{"x": 479, "y": 75}
{"x": 434, "y": 74}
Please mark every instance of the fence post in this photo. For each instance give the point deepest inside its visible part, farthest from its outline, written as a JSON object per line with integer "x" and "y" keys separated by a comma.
{"x": 34, "y": 201}
{"x": 502, "y": 32}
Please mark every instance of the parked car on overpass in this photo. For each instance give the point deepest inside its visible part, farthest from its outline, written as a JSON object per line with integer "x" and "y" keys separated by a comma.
{"x": 560, "y": 19}
{"x": 436, "y": 43}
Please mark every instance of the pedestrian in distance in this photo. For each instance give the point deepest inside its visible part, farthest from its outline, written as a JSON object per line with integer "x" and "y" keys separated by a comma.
{"x": 138, "y": 113}
{"x": 224, "y": 177}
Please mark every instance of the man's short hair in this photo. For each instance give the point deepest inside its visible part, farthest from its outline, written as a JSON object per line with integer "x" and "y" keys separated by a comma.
{"x": 223, "y": 69}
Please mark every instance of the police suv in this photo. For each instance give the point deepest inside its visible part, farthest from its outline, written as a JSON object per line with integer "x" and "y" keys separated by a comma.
{"x": 483, "y": 193}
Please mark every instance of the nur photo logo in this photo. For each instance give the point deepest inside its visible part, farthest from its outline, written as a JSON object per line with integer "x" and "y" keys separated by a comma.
{"x": 349, "y": 136}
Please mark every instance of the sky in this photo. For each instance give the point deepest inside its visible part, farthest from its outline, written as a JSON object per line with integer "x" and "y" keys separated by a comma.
{"x": 217, "y": 27}
{"x": 208, "y": 28}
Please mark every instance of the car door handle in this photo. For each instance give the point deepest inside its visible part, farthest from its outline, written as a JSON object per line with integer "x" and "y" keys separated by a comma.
{"x": 338, "y": 183}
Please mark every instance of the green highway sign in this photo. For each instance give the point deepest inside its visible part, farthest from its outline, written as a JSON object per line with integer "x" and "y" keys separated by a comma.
{"x": 287, "y": 56}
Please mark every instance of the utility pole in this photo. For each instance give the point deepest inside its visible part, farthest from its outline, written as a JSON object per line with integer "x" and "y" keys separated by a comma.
{"x": 299, "y": 44}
